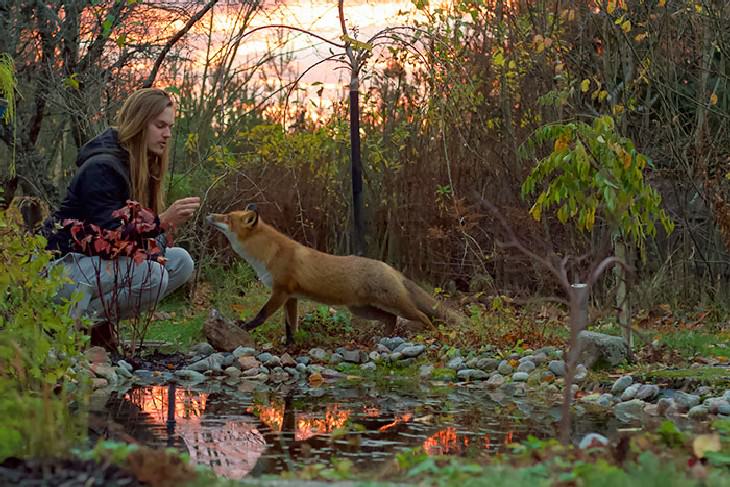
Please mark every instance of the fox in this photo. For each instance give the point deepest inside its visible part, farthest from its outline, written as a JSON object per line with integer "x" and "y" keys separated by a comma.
{"x": 369, "y": 288}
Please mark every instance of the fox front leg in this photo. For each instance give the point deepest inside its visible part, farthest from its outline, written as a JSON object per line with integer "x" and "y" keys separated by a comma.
{"x": 276, "y": 301}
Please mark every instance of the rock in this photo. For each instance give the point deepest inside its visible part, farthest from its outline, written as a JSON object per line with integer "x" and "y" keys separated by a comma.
{"x": 703, "y": 391}
{"x": 601, "y": 350}
{"x": 472, "y": 363}
{"x": 253, "y": 371}
{"x": 202, "y": 349}
{"x": 303, "y": 359}
{"x": 228, "y": 359}
{"x": 213, "y": 362}
{"x": 630, "y": 392}
{"x": 301, "y": 368}
{"x": 190, "y": 375}
{"x": 374, "y": 356}
{"x": 487, "y": 364}
{"x": 264, "y": 356}
{"x": 557, "y": 367}
{"x": 248, "y": 362}
{"x": 292, "y": 371}
{"x": 515, "y": 389}
{"x": 605, "y": 400}
{"x": 413, "y": 351}
{"x": 318, "y": 354}
{"x": 718, "y": 405}
{"x": 698, "y": 413}
{"x": 403, "y": 345}
{"x": 223, "y": 334}
{"x": 629, "y": 410}
{"x": 652, "y": 410}
{"x": 538, "y": 358}
{"x": 97, "y": 355}
{"x": 647, "y": 392}
{"x": 495, "y": 380}
{"x": 105, "y": 371}
{"x": 505, "y": 368}
{"x": 665, "y": 404}
{"x": 726, "y": 396}
{"x": 244, "y": 352}
{"x": 520, "y": 376}
{"x": 123, "y": 364}
{"x": 456, "y": 363}
{"x": 425, "y": 371}
{"x": 380, "y": 348}
{"x": 592, "y": 440}
{"x": 288, "y": 361}
{"x": 621, "y": 384}
{"x": 581, "y": 373}
{"x": 123, "y": 373}
{"x": 391, "y": 342}
{"x": 352, "y": 356}
{"x": 331, "y": 374}
{"x": 527, "y": 366}
{"x": 472, "y": 374}
{"x": 232, "y": 372}
{"x": 368, "y": 366}
{"x": 314, "y": 369}
{"x": 99, "y": 382}
{"x": 272, "y": 362}
{"x": 395, "y": 356}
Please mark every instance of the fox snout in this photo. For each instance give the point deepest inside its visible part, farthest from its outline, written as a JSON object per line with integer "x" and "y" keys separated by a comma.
{"x": 217, "y": 220}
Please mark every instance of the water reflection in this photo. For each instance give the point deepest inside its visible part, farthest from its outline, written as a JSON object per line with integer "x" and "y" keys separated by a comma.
{"x": 256, "y": 432}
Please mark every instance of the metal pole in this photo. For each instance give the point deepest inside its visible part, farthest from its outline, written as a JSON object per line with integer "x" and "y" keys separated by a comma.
{"x": 358, "y": 227}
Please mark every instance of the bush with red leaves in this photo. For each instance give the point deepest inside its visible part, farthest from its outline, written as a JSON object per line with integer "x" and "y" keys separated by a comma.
{"x": 134, "y": 238}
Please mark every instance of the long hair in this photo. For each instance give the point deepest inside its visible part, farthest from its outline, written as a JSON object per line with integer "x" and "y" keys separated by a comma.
{"x": 146, "y": 170}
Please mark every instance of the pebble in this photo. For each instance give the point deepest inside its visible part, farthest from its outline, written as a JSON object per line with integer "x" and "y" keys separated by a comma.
{"x": 621, "y": 384}
{"x": 505, "y": 368}
{"x": 557, "y": 367}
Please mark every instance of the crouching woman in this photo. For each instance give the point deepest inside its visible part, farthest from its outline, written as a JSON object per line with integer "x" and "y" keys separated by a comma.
{"x": 126, "y": 162}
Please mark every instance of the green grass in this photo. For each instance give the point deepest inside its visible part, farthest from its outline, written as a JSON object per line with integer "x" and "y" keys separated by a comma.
{"x": 704, "y": 343}
{"x": 706, "y": 375}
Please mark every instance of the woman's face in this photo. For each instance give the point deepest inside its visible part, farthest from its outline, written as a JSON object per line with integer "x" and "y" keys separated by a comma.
{"x": 159, "y": 131}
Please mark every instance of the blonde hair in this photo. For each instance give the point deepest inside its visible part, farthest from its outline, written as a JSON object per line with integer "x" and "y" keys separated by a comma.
{"x": 147, "y": 171}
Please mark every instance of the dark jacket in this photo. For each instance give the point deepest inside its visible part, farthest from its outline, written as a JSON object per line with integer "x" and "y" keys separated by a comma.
{"x": 100, "y": 186}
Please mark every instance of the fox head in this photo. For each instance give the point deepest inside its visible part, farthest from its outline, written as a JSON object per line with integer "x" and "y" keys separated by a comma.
{"x": 236, "y": 225}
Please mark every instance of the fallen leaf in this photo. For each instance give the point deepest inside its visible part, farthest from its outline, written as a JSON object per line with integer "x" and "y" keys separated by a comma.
{"x": 706, "y": 443}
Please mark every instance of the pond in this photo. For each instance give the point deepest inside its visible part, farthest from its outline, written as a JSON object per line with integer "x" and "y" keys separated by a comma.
{"x": 252, "y": 429}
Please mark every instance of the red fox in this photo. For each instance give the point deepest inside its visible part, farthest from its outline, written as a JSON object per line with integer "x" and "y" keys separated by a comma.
{"x": 371, "y": 289}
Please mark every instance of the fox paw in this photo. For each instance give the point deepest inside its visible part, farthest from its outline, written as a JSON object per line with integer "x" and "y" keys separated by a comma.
{"x": 246, "y": 325}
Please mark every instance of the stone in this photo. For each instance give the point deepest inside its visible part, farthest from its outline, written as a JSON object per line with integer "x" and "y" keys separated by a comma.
{"x": 538, "y": 358}
{"x": 273, "y": 362}
{"x": 264, "y": 356}
{"x": 288, "y": 361}
{"x": 456, "y": 363}
{"x": 403, "y": 345}
{"x": 557, "y": 367}
{"x": 520, "y": 376}
{"x": 248, "y": 362}
{"x": 331, "y": 374}
{"x": 527, "y": 366}
{"x": 647, "y": 392}
{"x": 223, "y": 334}
{"x": 368, "y": 366}
{"x": 190, "y": 375}
{"x": 505, "y": 368}
{"x": 698, "y": 413}
{"x": 123, "y": 364}
{"x": 515, "y": 389}
{"x": 99, "y": 382}
{"x": 244, "y": 352}
{"x": 703, "y": 391}
{"x": 212, "y": 362}
{"x": 621, "y": 384}
{"x": 374, "y": 356}
{"x": 252, "y": 372}
{"x": 413, "y": 351}
{"x": 395, "y": 356}
{"x": 665, "y": 404}
{"x": 605, "y": 400}
{"x": 123, "y": 373}
{"x": 391, "y": 342}
{"x": 228, "y": 359}
{"x": 592, "y": 440}
{"x": 718, "y": 405}
{"x": 380, "y": 348}
{"x": 425, "y": 371}
{"x": 105, "y": 371}
{"x": 97, "y": 355}
{"x": 352, "y": 356}
{"x": 495, "y": 380}
{"x": 301, "y": 368}
{"x": 318, "y": 354}
{"x": 303, "y": 359}
{"x": 487, "y": 364}
{"x": 472, "y": 374}
{"x": 232, "y": 372}
{"x": 629, "y": 411}
{"x": 630, "y": 392}
{"x": 581, "y": 373}
{"x": 601, "y": 350}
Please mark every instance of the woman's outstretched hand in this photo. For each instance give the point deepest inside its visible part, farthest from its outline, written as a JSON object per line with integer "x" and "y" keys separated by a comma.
{"x": 179, "y": 212}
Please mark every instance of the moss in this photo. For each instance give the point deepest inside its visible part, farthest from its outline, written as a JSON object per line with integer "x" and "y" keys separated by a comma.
{"x": 709, "y": 375}
{"x": 443, "y": 374}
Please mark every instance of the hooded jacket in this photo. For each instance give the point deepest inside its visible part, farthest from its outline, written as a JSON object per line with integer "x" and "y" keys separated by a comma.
{"x": 100, "y": 186}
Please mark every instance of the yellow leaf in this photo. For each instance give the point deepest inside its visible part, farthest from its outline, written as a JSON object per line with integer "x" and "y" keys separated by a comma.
{"x": 585, "y": 85}
{"x": 561, "y": 143}
{"x": 627, "y": 160}
{"x": 512, "y": 65}
{"x": 640, "y": 37}
{"x": 706, "y": 443}
{"x": 698, "y": 8}
{"x": 662, "y": 3}
{"x": 611, "y": 6}
{"x": 618, "y": 109}
{"x": 626, "y": 26}
{"x": 713, "y": 99}
{"x": 498, "y": 59}
{"x": 536, "y": 212}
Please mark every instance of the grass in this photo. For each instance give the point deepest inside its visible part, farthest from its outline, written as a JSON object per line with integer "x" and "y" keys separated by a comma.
{"x": 705, "y": 375}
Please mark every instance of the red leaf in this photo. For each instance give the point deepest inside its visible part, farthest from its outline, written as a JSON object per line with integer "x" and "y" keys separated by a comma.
{"x": 100, "y": 245}
{"x": 139, "y": 257}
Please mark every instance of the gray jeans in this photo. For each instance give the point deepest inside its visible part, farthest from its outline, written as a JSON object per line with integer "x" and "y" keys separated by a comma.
{"x": 120, "y": 288}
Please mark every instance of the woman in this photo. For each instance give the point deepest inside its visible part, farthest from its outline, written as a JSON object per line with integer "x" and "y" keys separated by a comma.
{"x": 125, "y": 162}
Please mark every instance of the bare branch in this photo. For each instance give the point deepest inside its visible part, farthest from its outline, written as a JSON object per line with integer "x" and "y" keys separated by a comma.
{"x": 173, "y": 40}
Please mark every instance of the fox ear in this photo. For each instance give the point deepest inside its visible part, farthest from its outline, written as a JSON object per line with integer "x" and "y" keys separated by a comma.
{"x": 252, "y": 219}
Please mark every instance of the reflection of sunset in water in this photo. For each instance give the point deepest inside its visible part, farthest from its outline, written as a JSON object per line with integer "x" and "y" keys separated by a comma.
{"x": 447, "y": 442}
{"x": 189, "y": 406}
